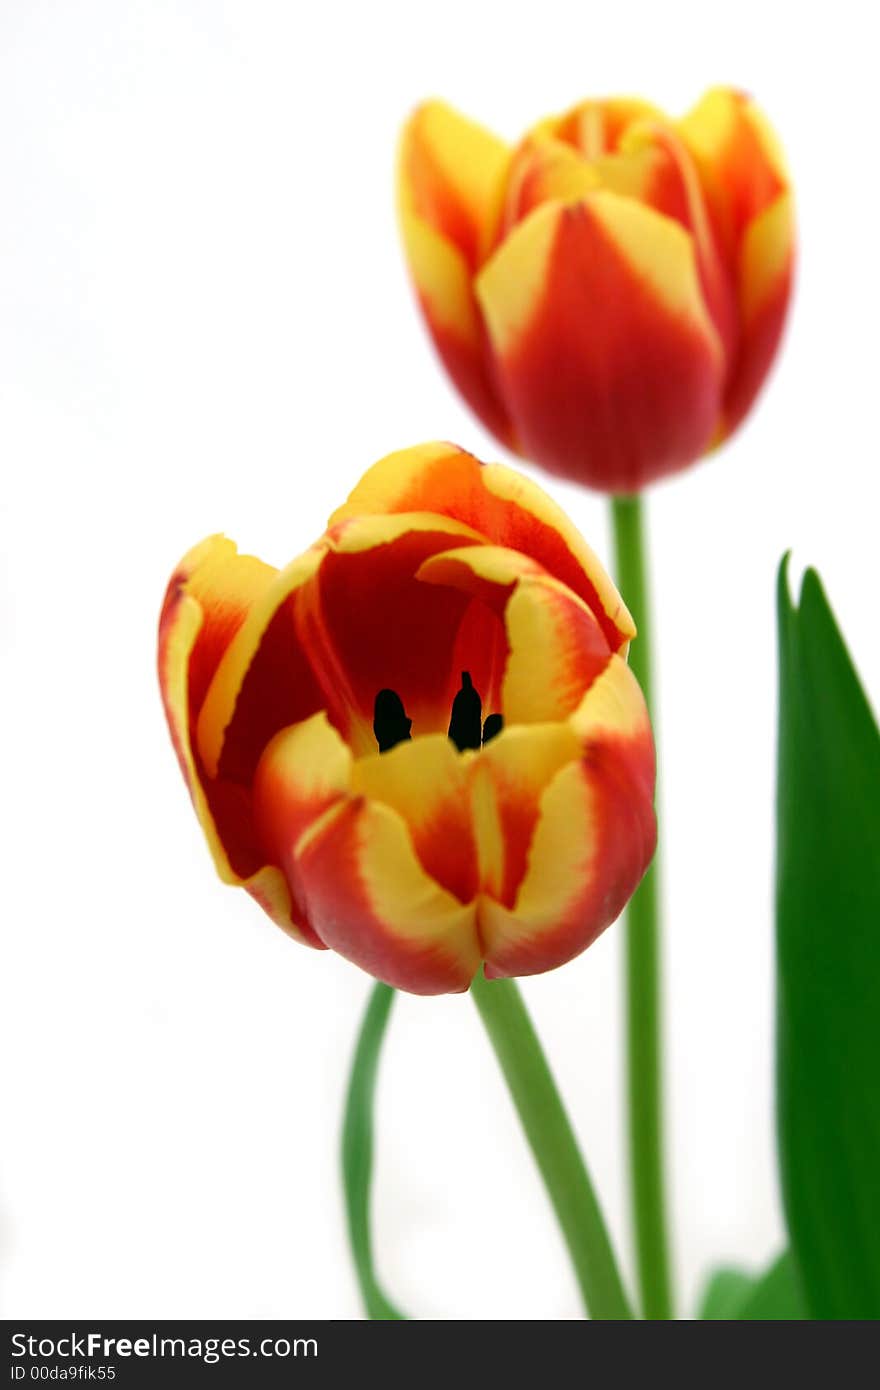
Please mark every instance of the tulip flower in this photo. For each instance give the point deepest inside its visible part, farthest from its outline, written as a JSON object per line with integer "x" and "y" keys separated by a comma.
{"x": 609, "y": 294}
{"x": 420, "y": 744}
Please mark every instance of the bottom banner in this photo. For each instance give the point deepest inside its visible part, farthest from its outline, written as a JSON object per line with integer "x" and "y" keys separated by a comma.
{"x": 140, "y": 1353}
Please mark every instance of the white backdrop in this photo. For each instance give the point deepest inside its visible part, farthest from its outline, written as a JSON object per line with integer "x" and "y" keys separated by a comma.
{"x": 205, "y": 325}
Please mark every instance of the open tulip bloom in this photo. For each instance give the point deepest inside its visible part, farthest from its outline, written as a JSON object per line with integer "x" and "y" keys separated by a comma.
{"x": 420, "y": 744}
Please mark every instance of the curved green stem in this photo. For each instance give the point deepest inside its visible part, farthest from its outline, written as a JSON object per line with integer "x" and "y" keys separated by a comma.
{"x": 546, "y": 1126}
{"x": 553, "y": 1144}
{"x": 357, "y": 1151}
{"x": 643, "y": 1025}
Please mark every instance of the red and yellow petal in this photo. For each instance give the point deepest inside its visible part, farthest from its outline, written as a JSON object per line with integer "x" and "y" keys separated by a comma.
{"x": 740, "y": 162}
{"x": 508, "y": 779}
{"x": 766, "y": 272}
{"x": 451, "y": 176}
{"x": 653, "y": 166}
{"x": 607, "y": 356}
{"x": 443, "y": 284}
{"x": 426, "y": 781}
{"x": 594, "y": 838}
{"x": 304, "y": 770}
{"x": 268, "y": 888}
{"x": 501, "y": 505}
{"x": 575, "y": 884}
{"x": 746, "y": 184}
{"x": 208, "y": 599}
{"x": 646, "y": 161}
{"x": 450, "y": 181}
{"x": 613, "y": 704}
{"x": 613, "y": 714}
{"x": 595, "y": 128}
{"x": 556, "y": 648}
{"x": 264, "y": 680}
{"x": 544, "y": 168}
{"x": 369, "y": 898}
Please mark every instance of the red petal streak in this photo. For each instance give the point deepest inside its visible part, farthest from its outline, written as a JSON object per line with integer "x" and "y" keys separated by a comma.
{"x": 388, "y": 629}
{"x": 481, "y": 648}
{"x": 279, "y": 689}
{"x": 611, "y": 781}
{"x": 605, "y": 384}
{"x": 369, "y": 900}
{"x": 470, "y": 365}
{"x": 208, "y": 601}
{"x": 504, "y": 506}
{"x": 760, "y": 341}
{"x": 746, "y": 176}
{"x": 446, "y": 162}
{"x": 739, "y": 167}
{"x": 303, "y": 771}
{"x": 555, "y": 646}
{"x": 426, "y": 782}
{"x": 672, "y": 186}
{"x": 224, "y": 589}
{"x": 597, "y": 127}
{"x": 521, "y": 762}
{"x": 543, "y": 168}
{"x": 223, "y": 610}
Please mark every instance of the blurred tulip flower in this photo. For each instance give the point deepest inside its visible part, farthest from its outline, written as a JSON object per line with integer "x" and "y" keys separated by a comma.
{"x": 420, "y": 744}
{"x": 608, "y": 295}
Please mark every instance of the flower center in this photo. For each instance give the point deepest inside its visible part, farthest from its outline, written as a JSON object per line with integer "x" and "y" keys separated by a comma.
{"x": 467, "y": 729}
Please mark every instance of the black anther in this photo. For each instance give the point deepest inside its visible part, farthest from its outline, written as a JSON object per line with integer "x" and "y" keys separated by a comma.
{"x": 390, "y": 724}
{"x": 492, "y": 726}
{"x": 467, "y": 716}
{"x": 466, "y": 728}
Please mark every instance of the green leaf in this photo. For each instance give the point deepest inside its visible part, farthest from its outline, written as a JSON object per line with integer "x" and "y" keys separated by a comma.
{"x": 357, "y": 1151}
{"x": 725, "y": 1291}
{"x": 828, "y": 948}
{"x": 776, "y": 1296}
{"x": 733, "y": 1296}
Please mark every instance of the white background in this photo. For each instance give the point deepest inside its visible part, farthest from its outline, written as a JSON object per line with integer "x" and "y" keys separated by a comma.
{"x": 205, "y": 325}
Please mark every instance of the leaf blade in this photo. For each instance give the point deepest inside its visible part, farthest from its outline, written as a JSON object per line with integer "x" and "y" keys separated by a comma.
{"x": 776, "y": 1296}
{"x": 828, "y": 951}
{"x": 725, "y": 1291}
{"x": 731, "y": 1295}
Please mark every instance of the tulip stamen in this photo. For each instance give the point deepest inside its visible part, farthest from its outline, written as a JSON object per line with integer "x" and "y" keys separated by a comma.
{"x": 466, "y": 724}
{"x": 467, "y": 729}
{"x": 492, "y": 727}
{"x": 390, "y": 723}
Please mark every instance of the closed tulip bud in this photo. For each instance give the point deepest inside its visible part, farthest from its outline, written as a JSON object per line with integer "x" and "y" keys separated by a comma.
{"x": 609, "y": 294}
{"x": 420, "y": 744}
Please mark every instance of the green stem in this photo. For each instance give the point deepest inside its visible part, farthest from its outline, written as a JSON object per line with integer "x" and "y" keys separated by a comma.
{"x": 357, "y": 1150}
{"x": 553, "y": 1144}
{"x": 643, "y": 1025}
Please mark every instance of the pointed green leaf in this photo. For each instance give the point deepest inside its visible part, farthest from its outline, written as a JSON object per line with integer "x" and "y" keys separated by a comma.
{"x": 828, "y": 947}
